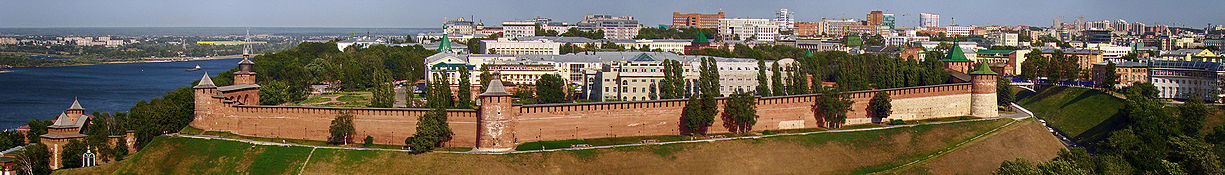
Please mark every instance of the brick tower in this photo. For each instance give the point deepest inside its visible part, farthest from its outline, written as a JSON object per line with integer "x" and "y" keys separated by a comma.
{"x": 203, "y": 92}
{"x": 982, "y": 93}
{"x": 495, "y": 126}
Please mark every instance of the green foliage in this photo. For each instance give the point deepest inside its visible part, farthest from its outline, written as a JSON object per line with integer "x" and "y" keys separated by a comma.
{"x": 672, "y": 33}
{"x": 741, "y": 117}
{"x": 1056, "y": 68}
{"x": 464, "y": 94}
{"x": 543, "y": 32}
{"x": 70, "y": 157}
{"x": 37, "y": 128}
{"x": 777, "y": 87}
{"x": 1191, "y": 115}
{"x": 797, "y": 82}
{"x": 368, "y": 141}
{"x": 699, "y": 112}
{"x": 550, "y": 88}
{"x": 880, "y": 107}
{"x": 383, "y": 93}
{"x": 598, "y": 34}
{"x": 432, "y": 128}
{"x": 342, "y": 129}
{"x": 167, "y": 114}
{"x": 1142, "y": 89}
{"x": 832, "y": 107}
{"x": 896, "y": 122}
{"x": 34, "y": 159}
{"x": 9, "y": 139}
{"x": 1017, "y": 167}
{"x": 485, "y": 77}
{"x": 1003, "y": 92}
{"x": 439, "y": 92}
{"x": 1110, "y": 76}
{"x": 673, "y": 84}
{"x": 763, "y": 87}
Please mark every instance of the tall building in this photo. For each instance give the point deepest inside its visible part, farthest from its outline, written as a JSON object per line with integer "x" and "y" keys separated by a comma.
{"x": 758, "y": 29}
{"x": 888, "y": 20}
{"x": 621, "y": 27}
{"x": 876, "y": 18}
{"x": 837, "y": 27}
{"x": 697, "y": 20}
{"x": 785, "y": 19}
{"x": 929, "y": 20}
{"x": 460, "y": 26}
{"x": 807, "y": 28}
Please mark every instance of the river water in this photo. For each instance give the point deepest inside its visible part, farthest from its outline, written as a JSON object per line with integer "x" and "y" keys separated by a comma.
{"x": 44, "y": 92}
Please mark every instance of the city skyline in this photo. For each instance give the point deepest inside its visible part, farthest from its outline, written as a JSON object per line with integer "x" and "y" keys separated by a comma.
{"x": 424, "y": 14}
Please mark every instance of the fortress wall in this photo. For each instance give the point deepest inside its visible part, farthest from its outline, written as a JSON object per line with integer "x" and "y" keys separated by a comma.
{"x": 565, "y": 121}
{"x": 621, "y": 119}
{"x": 386, "y": 125}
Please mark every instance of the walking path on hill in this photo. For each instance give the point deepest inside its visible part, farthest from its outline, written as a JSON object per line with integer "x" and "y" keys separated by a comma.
{"x": 1015, "y": 117}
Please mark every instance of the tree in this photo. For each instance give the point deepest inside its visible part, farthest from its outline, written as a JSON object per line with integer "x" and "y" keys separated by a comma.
{"x": 1035, "y": 65}
{"x": 832, "y": 107}
{"x": 342, "y": 129}
{"x": 1143, "y": 89}
{"x": 485, "y": 77}
{"x": 673, "y": 84}
{"x": 383, "y": 94}
{"x": 550, "y": 88}
{"x": 34, "y": 159}
{"x": 1110, "y": 76}
{"x": 777, "y": 80}
{"x": 71, "y": 156}
{"x": 432, "y": 131}
{"x": 699, "y": 112}
{"x": 740, "y": 118}
{"x": 797, "y": 82}
{"x": 880, "y": 107}
{"x": 37, "y": 129}
{"x": 1017, "y": 167}
{"x": 464, "y": 95}
{"x": 1191, "y": 115}
{"x": 763, "y": 88}
{"x": 1003, "y": 92}
{"x": 368, "y": 141}
{"x": 1195, "y": 156}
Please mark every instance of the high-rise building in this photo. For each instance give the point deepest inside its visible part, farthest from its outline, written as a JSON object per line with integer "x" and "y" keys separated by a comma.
{"x": 929, "y": 20}
{"x": 697, "y": 20}
{"x": 622, "y": 27}
{"x": 785, "y": 18}
{"x": 888, "y": 20}
{"x": 876, "y": 18}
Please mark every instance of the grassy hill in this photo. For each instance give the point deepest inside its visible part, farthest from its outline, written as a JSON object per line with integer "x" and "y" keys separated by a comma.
{"x": 824, "y": 153}
{"x": 1028, "y": 140}
{"x": 1081, "y": 113}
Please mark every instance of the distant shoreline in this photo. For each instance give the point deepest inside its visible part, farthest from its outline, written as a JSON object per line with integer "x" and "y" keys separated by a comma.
{"x": 158, "y": 60}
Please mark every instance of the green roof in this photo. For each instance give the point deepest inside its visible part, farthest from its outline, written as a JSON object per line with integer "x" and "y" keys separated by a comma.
{"x": 644, "y": 57}
{"x": 808, "y": 53}
{"x": 701, "y": 38}
{"x": 982, "y": 69}
{"x": 445, "y": 46}
{"x": 853, "y": 40}
{"x": 955, "y": 55}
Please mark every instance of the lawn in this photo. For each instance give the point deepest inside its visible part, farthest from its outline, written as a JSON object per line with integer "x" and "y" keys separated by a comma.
{"x": 823, "y": 153}
{"x": 1084, "y": 114}
{"x": 341, "y": 99}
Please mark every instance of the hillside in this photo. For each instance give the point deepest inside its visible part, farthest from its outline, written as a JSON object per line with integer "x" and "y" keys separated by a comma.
{"x": 852, "y": 152}
{"x": 1029, "y": 141}
{"x": 1083, "y": 114}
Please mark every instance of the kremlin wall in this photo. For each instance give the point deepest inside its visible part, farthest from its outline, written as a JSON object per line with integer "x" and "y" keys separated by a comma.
{"x": 499, "y": 125}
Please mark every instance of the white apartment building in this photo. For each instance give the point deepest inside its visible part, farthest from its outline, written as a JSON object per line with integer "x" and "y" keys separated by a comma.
{"x": 509, "y": 46}
{"x": 622, "y": 27}
{"x": 959, "y": 30}
{"x": 1110, "y": 51}
{"x": 1003, "y": 39}
{"x": 666, "y": 45}
{"x": 837, "y": 27}
{"x": 758, "y": 29}
{"x": 897, "y": 40}
{"x": 516, "y": 29}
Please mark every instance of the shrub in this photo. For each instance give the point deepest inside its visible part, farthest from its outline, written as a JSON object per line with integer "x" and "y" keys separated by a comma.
{"x": 896, "y": 122}
{"x": 368, "y": 141}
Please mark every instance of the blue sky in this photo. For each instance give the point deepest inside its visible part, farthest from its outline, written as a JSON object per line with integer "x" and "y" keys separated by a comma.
{"x": 415, "y": 13}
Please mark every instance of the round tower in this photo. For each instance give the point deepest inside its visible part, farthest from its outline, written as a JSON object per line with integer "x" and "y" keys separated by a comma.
{"x": 982, "y": 93}
{"x": 495, "y": 130}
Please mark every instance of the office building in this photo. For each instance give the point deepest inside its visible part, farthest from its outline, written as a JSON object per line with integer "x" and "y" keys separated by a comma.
{"x": 929, "y": 20}
{"x": 621, "y": 27}
{"x": 696, "y": 20}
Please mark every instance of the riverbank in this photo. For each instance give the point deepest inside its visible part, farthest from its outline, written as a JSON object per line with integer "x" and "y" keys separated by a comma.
{"x": 85, "y": 62}
{"x": 172, "y": 59}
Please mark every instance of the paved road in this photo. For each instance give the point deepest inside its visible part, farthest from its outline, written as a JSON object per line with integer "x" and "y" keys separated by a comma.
{"x": 401, "y": 100}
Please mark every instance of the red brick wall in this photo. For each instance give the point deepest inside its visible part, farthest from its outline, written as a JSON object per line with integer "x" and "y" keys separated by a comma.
{"x": 535, "y": 122}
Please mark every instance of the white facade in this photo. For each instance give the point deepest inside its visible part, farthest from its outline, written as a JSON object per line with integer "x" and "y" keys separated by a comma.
{"x": 516, "y": 29}
{"x": 1003, "y": 39}
{"x": 836, "y": 27}
{"x": 895, "y": 40}
{"x": 521, "y": 47}
{"x": 666, "y": 45}
{"x": 622, "y": 27}
{"x": 1110, "y": 51}
{"x": 959, "y": 30}
{"x": 759, "y": 29}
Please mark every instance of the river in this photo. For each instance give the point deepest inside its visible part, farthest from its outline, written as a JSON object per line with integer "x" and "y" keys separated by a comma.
{"x": 44, "y": 92}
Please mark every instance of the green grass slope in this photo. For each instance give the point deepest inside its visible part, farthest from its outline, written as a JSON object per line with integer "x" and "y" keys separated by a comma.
{"x": 1084, "y": 114}
{"x": 825, "y": 153}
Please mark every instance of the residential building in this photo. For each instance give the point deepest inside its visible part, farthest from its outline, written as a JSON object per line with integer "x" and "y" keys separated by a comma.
{"x": 1185, "y": 79}
{"x": 929, "y": 20}
{"x": 784, "y": 19}
{"x": 837, "y": 27}
{"x": 745, "y": 29}
{"x": 460, "y": 26}
{"x": 1129, "y": 72}
{"x": 888, "y": 19}
{"x": 363, "y": 41}
{"x": 1098, "y": 36}
{"x": 696, "y": 20}
{"x": 955, "y": 30}
{"x": 1002, "y": 61}
{"x": 1085, "y": 57}
{"x": 903, "y": 40}
{"x": 1003, "y": 39}
{"x": 1204, "y": 55}
{"x": 516, "y": 29}
{"x": 622, "y": 27}
{"x": 807, "y": 28}
{"x": 529, "y": 46}
{"x": 876, "y": 18}
{"x": 1110, "y": 51}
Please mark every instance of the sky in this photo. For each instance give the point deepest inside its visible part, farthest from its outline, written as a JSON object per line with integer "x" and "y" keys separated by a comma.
{"x": 430, "y": 14}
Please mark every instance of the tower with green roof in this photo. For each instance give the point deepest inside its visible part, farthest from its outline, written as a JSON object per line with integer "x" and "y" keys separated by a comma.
{"x": 956, "y": 60}
{"x": 982, "y": 91}
{"x": 445, "y": 44}
{"x": 701, "y": 40}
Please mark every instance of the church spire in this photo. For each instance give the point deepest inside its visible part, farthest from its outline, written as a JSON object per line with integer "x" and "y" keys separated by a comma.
{"x": 445, "y": 44}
